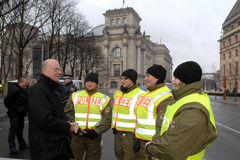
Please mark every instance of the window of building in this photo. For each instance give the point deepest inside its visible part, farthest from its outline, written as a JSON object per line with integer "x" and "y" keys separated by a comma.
{"x": 229, "y": 41}
{"x": 223, "y": 44}
{"x": 118, "y": 21}
{"x": 231, "y": 27}
{"x": 224, "y": 70}
{"x": 230, "y": 71}
{"x": 112, "y": 21}
{"x": 113, "y": 84}
{"x": 236, "y": 52}
{"x": 223, "y": 56}
{"x": 236, "y": 68}
{"x": 124, "y": 20}
{"x": 116, "y": 52}
{"x": 230, "y": 54}
{"x": 116, "y": 69}
{"x": 236, "y": 38}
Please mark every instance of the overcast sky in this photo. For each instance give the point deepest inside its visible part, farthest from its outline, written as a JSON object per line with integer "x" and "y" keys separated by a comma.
{"x": 189, "y": 28}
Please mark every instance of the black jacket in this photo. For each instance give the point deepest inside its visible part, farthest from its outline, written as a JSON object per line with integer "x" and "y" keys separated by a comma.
{"x": 16, "y": 101}
{"x": 48, "y": 126}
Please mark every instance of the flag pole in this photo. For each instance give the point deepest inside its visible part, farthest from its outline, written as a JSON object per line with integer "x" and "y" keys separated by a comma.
{"x": 123, "y": 2}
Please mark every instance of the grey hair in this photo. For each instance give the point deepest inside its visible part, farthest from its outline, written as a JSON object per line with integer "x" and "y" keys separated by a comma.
{"x": 44, "y": 64}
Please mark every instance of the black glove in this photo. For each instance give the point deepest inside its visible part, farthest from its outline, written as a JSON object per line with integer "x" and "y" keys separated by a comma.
{"x": 91, "y": 133}
{"x": 114, "y": 130}
{"x": 136, "y": 146}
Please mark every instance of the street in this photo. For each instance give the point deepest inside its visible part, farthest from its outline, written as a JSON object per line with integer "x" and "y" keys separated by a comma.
{"x": 226, "y": 147}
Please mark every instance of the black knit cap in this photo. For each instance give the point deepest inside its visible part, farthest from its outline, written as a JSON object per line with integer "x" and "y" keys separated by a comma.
{"x": 92, "y": 77}
{"x": 158, "y": 72}
{"x": 131, "y": 74}
{"x": 188, "y": 72}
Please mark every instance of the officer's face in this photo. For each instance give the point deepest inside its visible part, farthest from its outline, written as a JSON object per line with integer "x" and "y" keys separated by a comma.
{"x": 126, "y": 82}
{"x": 177, "y": 83}
{"x": 150, "y": 80}
{"x": 90, "y": 85}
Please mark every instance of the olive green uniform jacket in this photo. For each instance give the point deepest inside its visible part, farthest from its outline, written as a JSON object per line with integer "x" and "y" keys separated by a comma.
{"x": 105, "y": 122}
{"x": 123, "y": 141}
{"x": 191, "y": 133}
{"x": 142, "y": 154}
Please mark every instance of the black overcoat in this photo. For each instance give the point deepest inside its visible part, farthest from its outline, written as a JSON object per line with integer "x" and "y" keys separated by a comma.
{"x": 48, "y": 126}
{"x": 16, "y": 101}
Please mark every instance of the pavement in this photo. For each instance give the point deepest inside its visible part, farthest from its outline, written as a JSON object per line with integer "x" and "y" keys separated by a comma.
{"x": 229, "y": 100}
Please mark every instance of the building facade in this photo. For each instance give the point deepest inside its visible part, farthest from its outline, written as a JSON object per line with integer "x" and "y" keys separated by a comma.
{"x": 229, "y": 51}
{"x": 124, "y": 46}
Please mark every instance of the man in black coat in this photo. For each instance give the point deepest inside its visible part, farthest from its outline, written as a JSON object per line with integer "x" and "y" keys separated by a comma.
{"x": 66, "y": 89}
{"x": 16, "y": 103}
{"x": 48, "y": 125}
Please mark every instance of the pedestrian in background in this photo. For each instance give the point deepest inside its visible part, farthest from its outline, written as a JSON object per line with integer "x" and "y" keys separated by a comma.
{"x": 16, "y": 103}
{"x": 123, "y": 117}
{"x": 92, "y": 111}
{"x": 48, "y": 126}
{"x": 149, "y": 107}
{"x": 188, "y": 125}
{"x": 66, "y": 89}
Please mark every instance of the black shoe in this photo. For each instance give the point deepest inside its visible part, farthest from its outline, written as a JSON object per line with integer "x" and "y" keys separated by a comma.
{"x": 13, "y": 150}
{"x": 23, "y": 146}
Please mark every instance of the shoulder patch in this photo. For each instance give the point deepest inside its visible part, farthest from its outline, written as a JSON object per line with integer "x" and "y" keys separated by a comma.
{"x": 107, "y": 110}
{"x": 173, "y": 124}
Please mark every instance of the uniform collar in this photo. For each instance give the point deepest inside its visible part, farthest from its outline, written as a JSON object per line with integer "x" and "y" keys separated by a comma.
{"x": 155, "y": 87}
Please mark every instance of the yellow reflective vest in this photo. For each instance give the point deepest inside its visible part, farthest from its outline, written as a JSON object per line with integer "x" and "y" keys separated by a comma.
{"x": 146, "y": 111}
{"x": 88, "y": 108}
{"x": 172, "y": 109}
{"x": 123, "y": 117}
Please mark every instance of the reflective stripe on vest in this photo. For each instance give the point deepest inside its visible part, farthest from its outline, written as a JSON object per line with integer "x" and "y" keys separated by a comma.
{"x": 172, "y": 109}
{"x": 146, "y": 113}
{"x": 88, "y": 108}
{"x": 123, "y": 117}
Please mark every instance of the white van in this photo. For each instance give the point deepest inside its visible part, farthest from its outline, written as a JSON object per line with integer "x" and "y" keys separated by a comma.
{"x": 77, "y": 83}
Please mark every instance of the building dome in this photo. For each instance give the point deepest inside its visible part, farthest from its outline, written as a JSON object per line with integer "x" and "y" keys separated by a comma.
{"x": 97, "y": 31}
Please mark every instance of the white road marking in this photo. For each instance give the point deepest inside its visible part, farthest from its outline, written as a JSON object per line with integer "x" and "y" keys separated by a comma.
{"x": 228, "y": 127}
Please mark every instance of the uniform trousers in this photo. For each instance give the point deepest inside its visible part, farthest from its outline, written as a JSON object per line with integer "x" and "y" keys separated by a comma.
{"x": 123, "y": 146}
{"x": 142, "y": 153}
{"x": 91, "y": 147}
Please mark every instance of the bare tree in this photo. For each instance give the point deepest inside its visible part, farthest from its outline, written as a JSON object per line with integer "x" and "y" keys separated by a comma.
{"x": 23, "y": 29}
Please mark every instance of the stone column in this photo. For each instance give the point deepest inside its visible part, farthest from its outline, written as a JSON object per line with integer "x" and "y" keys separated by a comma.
{"x": 138, "y": 60}
{"x": 125, "y": 56}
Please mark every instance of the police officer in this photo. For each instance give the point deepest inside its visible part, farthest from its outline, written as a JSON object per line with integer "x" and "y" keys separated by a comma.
{"x": 188, "y": 126}
{"x": 92, "y": 111}
{"x": 148, "y": 106}
{"x": 123, "y": 118}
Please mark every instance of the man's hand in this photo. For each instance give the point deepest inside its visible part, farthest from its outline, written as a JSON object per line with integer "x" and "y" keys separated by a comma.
{"x": 74, "y": 127}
